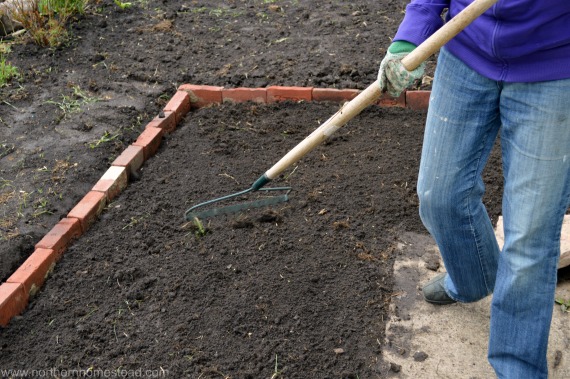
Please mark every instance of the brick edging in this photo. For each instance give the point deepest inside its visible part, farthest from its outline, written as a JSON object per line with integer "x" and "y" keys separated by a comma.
{"x": 30, "y": 276}
{"x": 204, "y": 95}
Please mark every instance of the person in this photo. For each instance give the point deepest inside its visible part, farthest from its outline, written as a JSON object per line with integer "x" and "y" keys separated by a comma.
{"x": 506, "y": 75}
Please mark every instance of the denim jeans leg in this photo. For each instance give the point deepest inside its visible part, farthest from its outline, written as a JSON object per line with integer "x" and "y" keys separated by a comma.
{"x": 462, "y": 125}
{"x": 535, "y": 140}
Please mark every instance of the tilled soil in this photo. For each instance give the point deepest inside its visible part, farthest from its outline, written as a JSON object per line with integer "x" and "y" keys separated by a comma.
{"x": 76, "y": 107}
{"x": 300, "y": 289}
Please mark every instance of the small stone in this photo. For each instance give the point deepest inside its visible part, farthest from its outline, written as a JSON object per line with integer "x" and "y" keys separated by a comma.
{"x": 339, "y": 351}
{"x": 557, "y": 358}
{"x": 432, "y": 262}
{"x": 395, "y": 367}
{"x": 420, "y": 356}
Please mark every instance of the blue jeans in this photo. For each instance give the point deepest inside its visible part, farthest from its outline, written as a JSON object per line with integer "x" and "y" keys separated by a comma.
{"x": 466, "y": 113}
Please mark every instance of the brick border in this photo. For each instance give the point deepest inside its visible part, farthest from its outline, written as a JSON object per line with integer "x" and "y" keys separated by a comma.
{"x": 29, "y": 277}
{"x": 205, "y": 96}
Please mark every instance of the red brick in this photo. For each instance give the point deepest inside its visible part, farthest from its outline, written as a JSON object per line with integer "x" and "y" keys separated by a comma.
{"x": 88, "y": 209}
{"x": 32, "y": 273}
{"x": 13, "y": 301}
{"x": 150, "y": 140}
{"x": 277, "y": 93}
{"x": 418, "y": 100}
{"x": 112, "y": 182}
{"x": 167, "y": 123}
{"x": 201, "y": 96}
{"x": 132, "y": 158}
{"x": 240, "y": 95}
{"x": 179, "y": 104}
{"x": 388, "y": 101}
{"x": 332, "y": 94}
{"x": 59, "y": 237}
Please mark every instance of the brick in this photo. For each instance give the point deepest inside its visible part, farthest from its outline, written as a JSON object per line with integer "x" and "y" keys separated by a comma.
{"x": 13, "y": 301}
{"x": 88, "y": 209}
{"x": 277, "y": 93}
{"x": 240, "y": 95}
{"x": 113, "y": 181}
{"x": 132, "y": 158}
{"x": 59, "y": 237}
{"x": 179, "y": 104}
{"x": 201, "y": 96}
{"x": 167, "y": 123}
{"x": 33, "y": 272}
{"x": 332, "y": 94}
{"x": 150, "y": 140}
{"x": 418, "y": 100}
{"x": 388, "y": 101}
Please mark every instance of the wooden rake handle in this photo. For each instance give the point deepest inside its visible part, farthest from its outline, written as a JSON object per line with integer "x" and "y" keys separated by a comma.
{"x": 373, "y": 92}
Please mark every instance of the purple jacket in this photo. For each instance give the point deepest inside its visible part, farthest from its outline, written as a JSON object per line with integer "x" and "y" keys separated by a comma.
{"x": 514, "y": 41}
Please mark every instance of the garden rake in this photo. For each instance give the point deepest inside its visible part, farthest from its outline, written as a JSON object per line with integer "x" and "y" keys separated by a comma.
{"x": 339, "y": 119}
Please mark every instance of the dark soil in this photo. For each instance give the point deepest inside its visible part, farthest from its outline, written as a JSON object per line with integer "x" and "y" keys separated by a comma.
{"x": 306, "y": 282}
{"x": 300, "y": 289}
{"x": 129, "y": 62}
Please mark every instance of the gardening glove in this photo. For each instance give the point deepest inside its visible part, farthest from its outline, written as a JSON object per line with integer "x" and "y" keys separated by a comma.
{"x": 393, "y": 76}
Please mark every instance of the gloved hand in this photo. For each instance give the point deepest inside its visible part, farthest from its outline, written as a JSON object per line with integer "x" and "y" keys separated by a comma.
{"x": 393, "y": 76}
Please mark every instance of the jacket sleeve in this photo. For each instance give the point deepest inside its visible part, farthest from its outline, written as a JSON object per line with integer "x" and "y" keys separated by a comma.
{"x": 422, "y": 19}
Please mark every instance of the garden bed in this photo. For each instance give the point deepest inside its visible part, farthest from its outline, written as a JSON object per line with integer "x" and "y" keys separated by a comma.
{"x": 301, "y": 288}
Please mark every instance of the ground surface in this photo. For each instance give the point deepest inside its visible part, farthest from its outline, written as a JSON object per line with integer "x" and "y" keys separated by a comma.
{"x": 307, "y": 282}
{"x": 139, "y": 289}
{"x": 78, "y": 106}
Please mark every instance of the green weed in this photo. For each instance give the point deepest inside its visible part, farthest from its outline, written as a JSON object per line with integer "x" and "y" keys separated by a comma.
{"x": 7, "y": 71}
{"x": 42, "y": 207}
{"x": 123, "y": 5}
{"x": 200, "y": 230}
{"x": 134, "y": 221}
{"x": 564, "y": 304}
{"x": 5, "y": 183}
{"x": 73, "y": 103}
{"x": 106, "y": 137}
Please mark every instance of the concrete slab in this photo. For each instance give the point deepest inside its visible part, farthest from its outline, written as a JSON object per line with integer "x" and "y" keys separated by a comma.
{"x": 427, "y": 341}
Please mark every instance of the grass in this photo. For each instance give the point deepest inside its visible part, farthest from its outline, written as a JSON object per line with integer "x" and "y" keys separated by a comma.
{"x": 106, "y": 137}
{"x": 41, "y": 207}
{"x": 7, "y": 71}
{"x": 73, "y": 103}
{"x": 46, "y": 20}
{"x": 123, "y": 5}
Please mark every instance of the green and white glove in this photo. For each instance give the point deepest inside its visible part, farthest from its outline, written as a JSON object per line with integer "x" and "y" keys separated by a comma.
{"x": 393, "y": 76}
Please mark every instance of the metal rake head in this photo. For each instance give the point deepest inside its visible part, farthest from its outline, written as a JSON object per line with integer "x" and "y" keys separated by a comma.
{"x": 197, "y": 212}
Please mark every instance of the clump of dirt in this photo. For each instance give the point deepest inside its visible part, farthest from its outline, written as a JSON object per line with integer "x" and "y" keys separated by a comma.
{"x": 300, "y": 289}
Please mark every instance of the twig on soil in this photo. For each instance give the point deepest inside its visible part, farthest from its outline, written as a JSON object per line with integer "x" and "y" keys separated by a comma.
{"x": 7, "y": 103}
{"x": 276, "y": 372}
{"x": 291, "y": 173}
{"x": 229, "y": 176}
{"x": 115, "y": 331}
